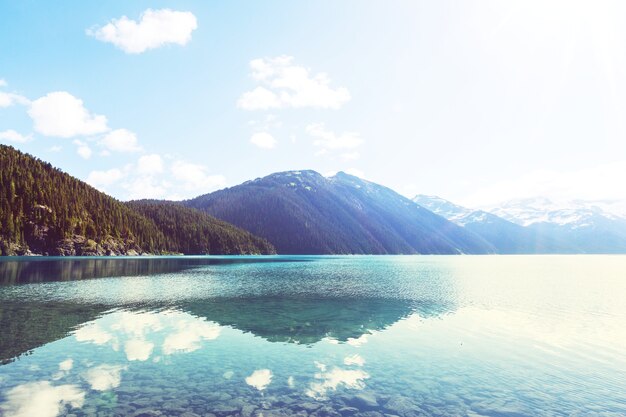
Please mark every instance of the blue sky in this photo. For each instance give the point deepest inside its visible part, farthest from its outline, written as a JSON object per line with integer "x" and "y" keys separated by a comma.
{"x": 474, "y": 101}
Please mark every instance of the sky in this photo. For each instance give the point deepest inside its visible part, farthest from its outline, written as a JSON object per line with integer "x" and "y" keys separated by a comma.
{"x": 474, "y": 101}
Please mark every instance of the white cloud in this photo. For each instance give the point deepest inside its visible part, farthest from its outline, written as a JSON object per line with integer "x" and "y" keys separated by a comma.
{"x": 263, "y": 140}
{"x": 194, "y": 177}
{"x": 13, "y": 136}
{"x": 145, "y": 187}
{"x": 83, "y": 149}
{"x": 55, "y": 148}
{"x": 9, "y": 99}
{"x": 260, "y": 379}
{"x": 41, "y": 399}
{"x": 150, "y": 164}
{"x": 154, "y": 29}
{"x": 101, "y": 179}
{"x": 63, "y": 115}
{"x": 104, "y": 377}
{"x": 259, "y": 99}
{"x": 287, "y": 85}
{"x": 330, "y": 141}
{"x": 120, "y": 140}
{"x": 152, "y": 177}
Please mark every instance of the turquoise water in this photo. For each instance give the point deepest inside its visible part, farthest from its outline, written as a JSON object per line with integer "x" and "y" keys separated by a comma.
{"x": 363, "y": 336}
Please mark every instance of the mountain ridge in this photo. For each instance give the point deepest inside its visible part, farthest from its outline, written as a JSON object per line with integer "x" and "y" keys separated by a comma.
{"x": 351, "y": 215}
{"x": 46, "y": 211}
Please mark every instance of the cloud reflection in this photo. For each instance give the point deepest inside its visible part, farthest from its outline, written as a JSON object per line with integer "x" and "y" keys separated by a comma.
{"x": 41, "y": 399}
{"x": 336, "y": 377}
{"x": 355, "y": 359}
{"x": 188, "y": 335}
{"x": 141, "y": 334}
{"x": 138, "y": 350}
{"x": 104, "y": 377}
{"x": 260, "y": 379}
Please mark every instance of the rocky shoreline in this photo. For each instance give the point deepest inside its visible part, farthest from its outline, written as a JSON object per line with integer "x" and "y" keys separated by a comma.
{"x": 75, "y": 246}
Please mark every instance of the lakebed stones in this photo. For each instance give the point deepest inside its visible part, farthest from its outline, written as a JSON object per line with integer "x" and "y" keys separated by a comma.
{"x": 363, "y": 400}
{"x": 222, "y": 410}
{"x": 348, "y": 411}
{"x": 369, "y": 414}
{"x": 403, "y": 407}
{"x": 247, "y": 410}
{"x": 500, "y": 408}
{"x": 309, "y": 407}
{"x": 189, "y": 414}
{"x": 146, "y": 412}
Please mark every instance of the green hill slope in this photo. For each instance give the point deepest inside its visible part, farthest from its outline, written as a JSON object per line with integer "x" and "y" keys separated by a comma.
{"x": 46, "y": 211}
{"x": 193, "y": 232}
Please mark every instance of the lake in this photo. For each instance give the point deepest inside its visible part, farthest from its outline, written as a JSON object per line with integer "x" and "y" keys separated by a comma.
{"x": 362, "y": 336}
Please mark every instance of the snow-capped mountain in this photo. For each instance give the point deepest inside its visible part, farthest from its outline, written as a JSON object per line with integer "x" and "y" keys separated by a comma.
{"x": 540, "y": 225}
{"x": 453, "y": 212}
{"x": 505, "y": 236}
{"x": 573, "y": 214}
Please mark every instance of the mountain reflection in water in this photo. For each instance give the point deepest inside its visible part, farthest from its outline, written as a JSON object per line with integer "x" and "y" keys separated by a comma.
{"x": 314, "y": 337}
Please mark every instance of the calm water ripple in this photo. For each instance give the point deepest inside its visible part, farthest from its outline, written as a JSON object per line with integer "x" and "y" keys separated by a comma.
{"x": 363, "y": 336}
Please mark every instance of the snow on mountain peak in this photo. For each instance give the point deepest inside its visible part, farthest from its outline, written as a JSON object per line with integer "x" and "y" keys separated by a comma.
{"x": 571, "y": 213}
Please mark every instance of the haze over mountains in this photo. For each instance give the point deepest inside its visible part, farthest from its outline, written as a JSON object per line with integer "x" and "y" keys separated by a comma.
{"x": 538, "y": 225}
{"x": 45, "y": 211}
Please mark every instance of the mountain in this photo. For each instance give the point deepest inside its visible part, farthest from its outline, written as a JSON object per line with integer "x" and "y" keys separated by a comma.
{"x": 591, "y": 226}
{"x": 46, "y": 211}
{"x": 194, "y": 232}
{"x": 574, "y": 214}
{"x": 539, "y": 225}
{"x": 302, "y": 212}
{"x": 505, "y": 236}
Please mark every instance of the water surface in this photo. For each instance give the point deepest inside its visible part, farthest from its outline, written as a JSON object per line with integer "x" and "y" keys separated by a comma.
{"x": 362, "y": 336}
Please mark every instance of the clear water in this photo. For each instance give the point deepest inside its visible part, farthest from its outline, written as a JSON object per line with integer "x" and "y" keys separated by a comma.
{"x": 321, "y": 336}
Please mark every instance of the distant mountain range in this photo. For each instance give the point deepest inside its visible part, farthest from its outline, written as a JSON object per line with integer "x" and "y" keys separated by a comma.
{"x": 538, "y": 225}
{"x": 45, "y": 211}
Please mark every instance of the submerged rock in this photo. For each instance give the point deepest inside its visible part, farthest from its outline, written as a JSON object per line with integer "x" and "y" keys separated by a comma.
{"x": 247, "y": 410}
{"x": 402, "y": 406}
{"x": 363, "y": 400}
{"x": 308, "y": 406}
{"x": 348, "y": 411}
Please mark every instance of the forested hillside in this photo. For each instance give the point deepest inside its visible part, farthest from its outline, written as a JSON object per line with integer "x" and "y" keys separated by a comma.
{"x": 193, "y": 232}
{"x": 46, "y": 211}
